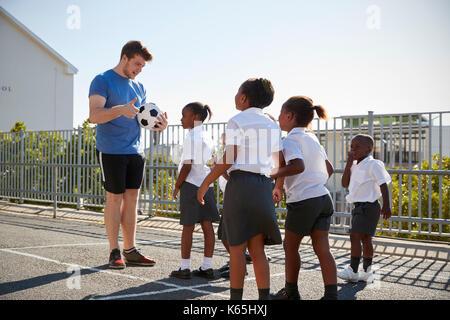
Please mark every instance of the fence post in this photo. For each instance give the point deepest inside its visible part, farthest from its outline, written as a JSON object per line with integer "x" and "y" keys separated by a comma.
{"x": 78, "y": 169}
{"x": 22, "y": 136}
{"x": 55, "y": 181}
{"x": 370, "y": 125}
{"x": 370, "y": 128}
{"x": 150, "y": 198}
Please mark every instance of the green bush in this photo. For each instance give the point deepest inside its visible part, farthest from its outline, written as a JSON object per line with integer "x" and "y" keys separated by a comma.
{"x": 412, "y": 192}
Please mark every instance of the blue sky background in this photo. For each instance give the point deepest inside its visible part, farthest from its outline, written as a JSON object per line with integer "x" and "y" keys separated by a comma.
{"x": 203, "y": 50}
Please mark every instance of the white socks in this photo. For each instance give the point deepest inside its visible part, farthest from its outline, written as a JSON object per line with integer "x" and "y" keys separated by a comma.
{"x": 185, "y": 264}
{"x": 207, "y": 263}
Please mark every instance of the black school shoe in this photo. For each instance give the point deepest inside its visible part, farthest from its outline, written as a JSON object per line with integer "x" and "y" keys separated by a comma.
{"x": 181, "y": 274}
{"x": 283, "y": 295}
{"x": 207, "y": 274}
{"x": 224, "y": 268}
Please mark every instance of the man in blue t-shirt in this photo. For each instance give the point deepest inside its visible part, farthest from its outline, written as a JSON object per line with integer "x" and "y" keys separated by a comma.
{"x": 114, "y": 99}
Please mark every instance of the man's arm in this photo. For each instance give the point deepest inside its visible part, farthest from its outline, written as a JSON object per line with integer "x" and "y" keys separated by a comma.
{"x": 99, "y": 114}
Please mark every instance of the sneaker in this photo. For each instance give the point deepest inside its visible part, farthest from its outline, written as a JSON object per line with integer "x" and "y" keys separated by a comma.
{"x": 136, "y": 258}
{"x": 248, "y": 259}
{"x": 366, "y": 276}
{"x": 208, "y": 273}
{"x": 348, "y": 275}
{"x": 283, "y": 295}
{"x": 115, "y": 260}
{"x": 181, "y": 274}
{"x": 224, "y": 268}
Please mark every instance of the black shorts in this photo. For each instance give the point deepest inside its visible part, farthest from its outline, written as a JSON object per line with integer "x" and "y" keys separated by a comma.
{"x": 365, "y": 217}
{"x": 310, "y": 214}
{"x": 121, "y": 171}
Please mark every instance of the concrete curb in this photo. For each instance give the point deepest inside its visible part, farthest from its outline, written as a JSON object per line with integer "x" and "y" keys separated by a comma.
{"x": 432, "y": 250}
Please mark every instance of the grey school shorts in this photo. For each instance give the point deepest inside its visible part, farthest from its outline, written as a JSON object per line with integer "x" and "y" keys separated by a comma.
{"x": 365, "y": 216}
{"x": 192, "y": 211}
{"x": 311, "y": 214}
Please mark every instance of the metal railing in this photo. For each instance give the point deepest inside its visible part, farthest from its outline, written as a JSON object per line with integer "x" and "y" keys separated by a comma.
{"x": 60, "y": 168}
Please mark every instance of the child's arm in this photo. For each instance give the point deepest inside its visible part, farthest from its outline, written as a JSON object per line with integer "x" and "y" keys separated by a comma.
{"x": 220, "y": 168}
{"x": 347, "y": 172}
{"x": 278, "y": 190}
{"x": 184, "y": 172}
{"x": 386, "y": 209}
{"x": 226, "y": 176}
{"x": 330, "y": 168}
{"x": 293, "y": 167}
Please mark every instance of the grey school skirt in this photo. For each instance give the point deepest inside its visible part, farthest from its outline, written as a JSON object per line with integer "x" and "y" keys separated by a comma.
{"x": 249, "y": 209}
{"x": 192, "y": 211}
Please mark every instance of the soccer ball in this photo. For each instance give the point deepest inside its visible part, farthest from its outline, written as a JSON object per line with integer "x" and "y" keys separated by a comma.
{"x": 147, "y": 115}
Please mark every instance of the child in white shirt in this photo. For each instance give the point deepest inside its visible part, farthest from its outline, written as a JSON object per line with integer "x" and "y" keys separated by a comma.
{"x": 198, "y": 148}
{"x": 367, "y": 180}
{"x": 249, "y": 218}
{"x": 309, "y": 205}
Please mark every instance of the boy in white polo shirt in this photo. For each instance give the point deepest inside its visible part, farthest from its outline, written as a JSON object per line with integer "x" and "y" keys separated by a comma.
{"x": 367, "y": 180}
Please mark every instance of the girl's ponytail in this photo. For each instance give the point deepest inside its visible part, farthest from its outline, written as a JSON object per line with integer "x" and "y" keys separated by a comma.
{"x": 321, "y": 112}
{"x": 207, "y": 112}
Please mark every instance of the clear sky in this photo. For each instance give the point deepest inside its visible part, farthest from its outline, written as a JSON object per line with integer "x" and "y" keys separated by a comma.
{"x": 351, "y": 56}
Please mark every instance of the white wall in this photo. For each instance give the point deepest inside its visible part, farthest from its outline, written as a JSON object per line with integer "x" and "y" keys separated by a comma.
{"x": 34, "y": 86}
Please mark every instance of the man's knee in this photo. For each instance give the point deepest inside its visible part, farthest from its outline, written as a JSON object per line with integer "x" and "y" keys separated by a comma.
{"x": 114, "y": 198}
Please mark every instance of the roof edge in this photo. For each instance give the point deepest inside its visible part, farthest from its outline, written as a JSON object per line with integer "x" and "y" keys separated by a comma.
{"x": 70, "y": 68}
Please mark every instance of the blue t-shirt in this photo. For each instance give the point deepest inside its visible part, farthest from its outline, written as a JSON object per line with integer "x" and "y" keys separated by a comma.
{"x": 120, "y": 135}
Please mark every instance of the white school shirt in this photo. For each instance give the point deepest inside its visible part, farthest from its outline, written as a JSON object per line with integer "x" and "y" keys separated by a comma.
{"x": 197, "y": 147}
{"x": 256, "y": 137}
{"x": 365, "y": 180}
{"x": 300, "y": 144}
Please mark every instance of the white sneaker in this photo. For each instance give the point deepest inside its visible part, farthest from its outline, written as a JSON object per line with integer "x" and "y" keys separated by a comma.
{"x": 348, "y": 274}
{"x": 366, "y": 276}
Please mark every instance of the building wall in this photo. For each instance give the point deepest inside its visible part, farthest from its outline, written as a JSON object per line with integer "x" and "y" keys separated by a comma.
{"x": 444, "y": 149}
{"x": 34, "y": 85}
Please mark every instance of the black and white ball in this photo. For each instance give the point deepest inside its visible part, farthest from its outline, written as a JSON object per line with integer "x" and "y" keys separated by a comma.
{"x": 147, "y": 115}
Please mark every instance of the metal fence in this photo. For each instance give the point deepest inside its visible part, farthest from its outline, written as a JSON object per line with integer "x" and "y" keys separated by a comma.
{"x": 60, "y": 168}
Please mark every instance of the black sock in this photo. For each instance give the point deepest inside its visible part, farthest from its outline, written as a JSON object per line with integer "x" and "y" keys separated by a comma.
{"x": 354, "y": 263}
{"x": 236, "y": 294}
{"x": 291, "y": 288}
{"x": 367, "y": 262}
{"x": 263, "y": 294}
{"x": 330, "y": 292}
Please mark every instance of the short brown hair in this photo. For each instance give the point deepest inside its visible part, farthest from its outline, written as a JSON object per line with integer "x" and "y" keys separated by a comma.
{"x": 134, "y": 47}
